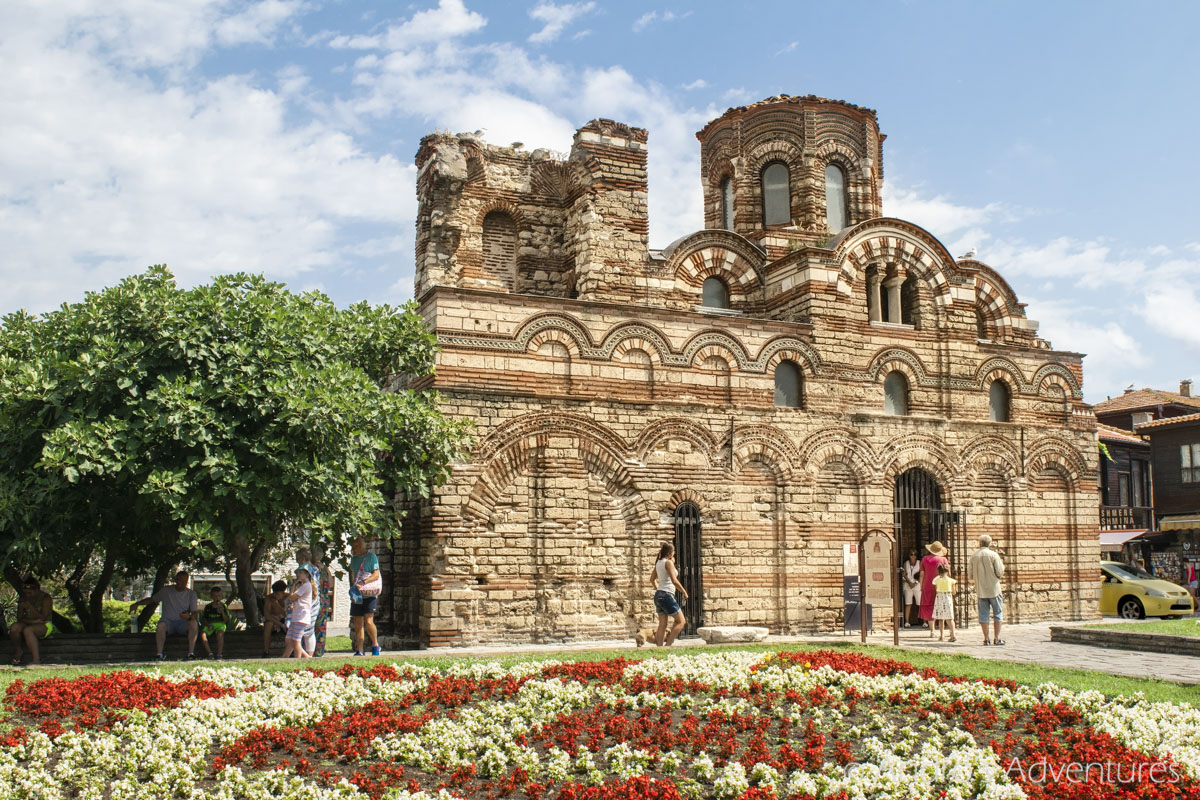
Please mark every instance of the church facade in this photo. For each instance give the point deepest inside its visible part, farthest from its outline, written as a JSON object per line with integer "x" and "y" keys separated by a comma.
{"x": 797, "y": 373}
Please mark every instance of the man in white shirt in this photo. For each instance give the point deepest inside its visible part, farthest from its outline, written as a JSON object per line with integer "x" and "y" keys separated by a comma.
{"x": 179, "y": 615}
{"x": 985, "y": 569}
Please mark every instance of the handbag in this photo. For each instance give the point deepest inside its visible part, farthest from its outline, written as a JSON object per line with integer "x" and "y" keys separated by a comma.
{"x": 370, "y": 588}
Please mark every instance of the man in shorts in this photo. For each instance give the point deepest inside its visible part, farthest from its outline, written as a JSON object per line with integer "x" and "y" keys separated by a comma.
{"x": 985, "y": 569}
{"x": 179, "y": 615}
{"x": 34, "y": 610}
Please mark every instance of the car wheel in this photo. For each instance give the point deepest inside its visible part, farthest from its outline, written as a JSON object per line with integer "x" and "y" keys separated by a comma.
{"x": 1131, "y": 608}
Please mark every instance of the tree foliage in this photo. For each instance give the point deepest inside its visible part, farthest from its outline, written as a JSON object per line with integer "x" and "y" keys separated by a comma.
{"x": 149, "y": 424}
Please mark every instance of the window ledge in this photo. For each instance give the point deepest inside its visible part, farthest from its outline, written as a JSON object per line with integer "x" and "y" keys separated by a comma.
{"x": 720, "y": 312}
{"x": 905, "y": 326}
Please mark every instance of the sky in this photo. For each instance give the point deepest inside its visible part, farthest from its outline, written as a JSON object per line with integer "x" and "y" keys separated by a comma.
{"x": 278, "y": 136}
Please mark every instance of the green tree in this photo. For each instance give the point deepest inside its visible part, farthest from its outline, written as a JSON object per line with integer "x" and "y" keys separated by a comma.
{"x": 149, "y": 424}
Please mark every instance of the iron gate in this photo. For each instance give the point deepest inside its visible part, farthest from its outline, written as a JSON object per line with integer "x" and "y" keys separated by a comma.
{"x": 687, "y": 564}
{"x": 920, "y": 520}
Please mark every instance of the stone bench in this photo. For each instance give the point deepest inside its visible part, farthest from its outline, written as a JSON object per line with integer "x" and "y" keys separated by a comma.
{"x": 731, "y": 634}
{"x": 123, "y": 648}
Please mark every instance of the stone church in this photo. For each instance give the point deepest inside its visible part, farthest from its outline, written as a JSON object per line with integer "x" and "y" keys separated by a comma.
{"x": 800, "y": 371}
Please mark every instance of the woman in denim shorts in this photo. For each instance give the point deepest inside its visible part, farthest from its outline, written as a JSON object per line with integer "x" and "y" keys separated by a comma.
{"x": 666, "y": 582}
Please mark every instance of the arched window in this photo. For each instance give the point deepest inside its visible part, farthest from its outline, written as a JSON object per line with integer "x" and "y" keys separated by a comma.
{"x": 837, "y": 210}
{"x": 776, "y": 193}
{"x": 895, "y": 394}
{"x": 500, "y": 249}
{"x": 999, "y": 402}
{"x": 789, "y": 385}
{"x": 716, "y": 293}
{"x": 727, "y": 204}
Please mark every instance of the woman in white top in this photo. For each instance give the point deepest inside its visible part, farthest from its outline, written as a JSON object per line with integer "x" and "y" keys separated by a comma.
{"x": 666, "y": 582}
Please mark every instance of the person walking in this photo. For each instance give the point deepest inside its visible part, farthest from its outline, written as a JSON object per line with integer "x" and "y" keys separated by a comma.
{"x": 666, "y": 583}
{"x": 985, "y": 569}
{"x": 301, "y": 599}
{"x": 935, "y": 558}
{"x": 365, "y": 586}
{"x": 943, "y": 603}
{"x": 910, "y": 574}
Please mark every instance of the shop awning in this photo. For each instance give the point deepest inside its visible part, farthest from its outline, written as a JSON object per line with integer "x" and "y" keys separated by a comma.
{"x": 1179, "y": 522}
{"x": 1112, "y": 540}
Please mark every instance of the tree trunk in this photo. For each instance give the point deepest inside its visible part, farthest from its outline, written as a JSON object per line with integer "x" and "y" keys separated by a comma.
{"x": 96, "y": 600}
{"x": 75, "y": 593}
{"x": 160, "y": 580}
{"x": 248, "y": 560}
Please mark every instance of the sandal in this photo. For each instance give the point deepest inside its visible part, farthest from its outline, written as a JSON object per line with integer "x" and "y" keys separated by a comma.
{"x": 986, "y": 642}
{"x": 998, "y": 641}
{"x": 953, "y": 639}
{"x": 16, "y": 662}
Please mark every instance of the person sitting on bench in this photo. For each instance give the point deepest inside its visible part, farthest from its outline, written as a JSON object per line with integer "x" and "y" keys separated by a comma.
{"x": 216, "y": 619}
{"x": 33, "y": 621}
{"x": 179, "y": 615}
{"x": 274, "y": 614}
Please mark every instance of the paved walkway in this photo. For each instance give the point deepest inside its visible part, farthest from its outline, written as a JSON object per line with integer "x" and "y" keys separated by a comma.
{"x": 1031, "y": 644}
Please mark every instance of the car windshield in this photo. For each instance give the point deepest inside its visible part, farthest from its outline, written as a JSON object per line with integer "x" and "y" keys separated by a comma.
{"x": 1128, "y": 571}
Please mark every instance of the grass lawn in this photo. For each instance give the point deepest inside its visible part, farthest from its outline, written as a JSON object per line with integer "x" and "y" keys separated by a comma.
{"x": 959, "y": 665}
{"x": 1186, "y": 626}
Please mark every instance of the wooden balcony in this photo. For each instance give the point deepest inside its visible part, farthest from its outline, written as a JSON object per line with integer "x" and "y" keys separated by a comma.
{"x": 1126, "y": 518}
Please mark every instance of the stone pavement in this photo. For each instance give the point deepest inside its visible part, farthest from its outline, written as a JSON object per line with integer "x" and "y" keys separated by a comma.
{"x": 1030, "y": 643}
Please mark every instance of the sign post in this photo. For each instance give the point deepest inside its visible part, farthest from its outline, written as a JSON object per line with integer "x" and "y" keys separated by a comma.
{"x": 877, "y": 576}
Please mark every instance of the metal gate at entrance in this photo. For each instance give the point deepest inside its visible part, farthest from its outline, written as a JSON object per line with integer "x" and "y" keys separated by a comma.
{"x": 687, "y": 564}
{"x": 921, "y": 520}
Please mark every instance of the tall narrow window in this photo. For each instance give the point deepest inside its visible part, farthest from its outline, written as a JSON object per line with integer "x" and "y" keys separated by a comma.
{"x": 1136, "y": 472}
{"x": 837, "y": 210}
{"x": 500, "y": 249}
{"x": 999, "y": 402}
{"x": 776, "y": 192}
{"x": 716, "y": 293}
{"x": 727, "y": 204}
{"x": 909, "y": 303}
{"x": 895, "y": 394}
{"x": 1189, "y": 463}
{"x": 789, "y": 385}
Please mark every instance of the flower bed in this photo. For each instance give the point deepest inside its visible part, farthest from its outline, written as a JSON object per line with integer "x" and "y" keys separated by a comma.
{"x": 731, "y": 726}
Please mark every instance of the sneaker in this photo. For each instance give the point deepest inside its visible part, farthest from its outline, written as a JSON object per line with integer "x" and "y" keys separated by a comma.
{"x": 191, "y": 656}
{"x": 160, "y": 657}
{"x": 358, "y": 653}
{"x": 212, "y": 656}
{"x": 375, "y": 650}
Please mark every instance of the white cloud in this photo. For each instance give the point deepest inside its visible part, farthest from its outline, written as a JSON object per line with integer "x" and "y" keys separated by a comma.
{"x": 939, "y": 215}
{"x": 258, "y": 23}
{"x": 1114, "y": 355}
{"x": 103, "y": 172}
{"x": 555, "y": 18}
{"x": 699, "y": 83}
{"x": 1174, "y": 310}
{"x": 650, "y": 17}
{"x": 449, "y": 20}
{"x": 787, "y": 48}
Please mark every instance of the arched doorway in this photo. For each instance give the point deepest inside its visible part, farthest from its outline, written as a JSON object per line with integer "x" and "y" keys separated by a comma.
{"x": 921, "y": 520}
{"x": 686, "y": 519}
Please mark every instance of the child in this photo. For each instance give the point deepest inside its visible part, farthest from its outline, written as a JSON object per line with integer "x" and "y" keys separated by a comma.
{"x": 274, "y": 610}
{"x": 214, "y": 619}
{"x": 943, "y": 602}
{"x": 301, "y": 599}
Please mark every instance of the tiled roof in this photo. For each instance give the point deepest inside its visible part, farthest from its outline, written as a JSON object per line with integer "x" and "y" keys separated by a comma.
{"x": 1110, "y": 434}
{"x": 1169, "y": 421}
{"x": 1145, "y": 398}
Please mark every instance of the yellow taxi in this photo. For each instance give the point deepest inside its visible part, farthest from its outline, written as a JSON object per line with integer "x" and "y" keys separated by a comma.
{"x": 1133, "y": 593}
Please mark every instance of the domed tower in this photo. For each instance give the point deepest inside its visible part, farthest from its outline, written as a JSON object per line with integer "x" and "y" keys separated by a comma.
{"x": 791, "y": 171}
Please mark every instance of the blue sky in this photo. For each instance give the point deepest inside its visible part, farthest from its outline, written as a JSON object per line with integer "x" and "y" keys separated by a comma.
{"x": 278, "y": 136}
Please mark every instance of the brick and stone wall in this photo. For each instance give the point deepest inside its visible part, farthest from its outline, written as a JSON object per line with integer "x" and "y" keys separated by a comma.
{"x": 603, "y": 393}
